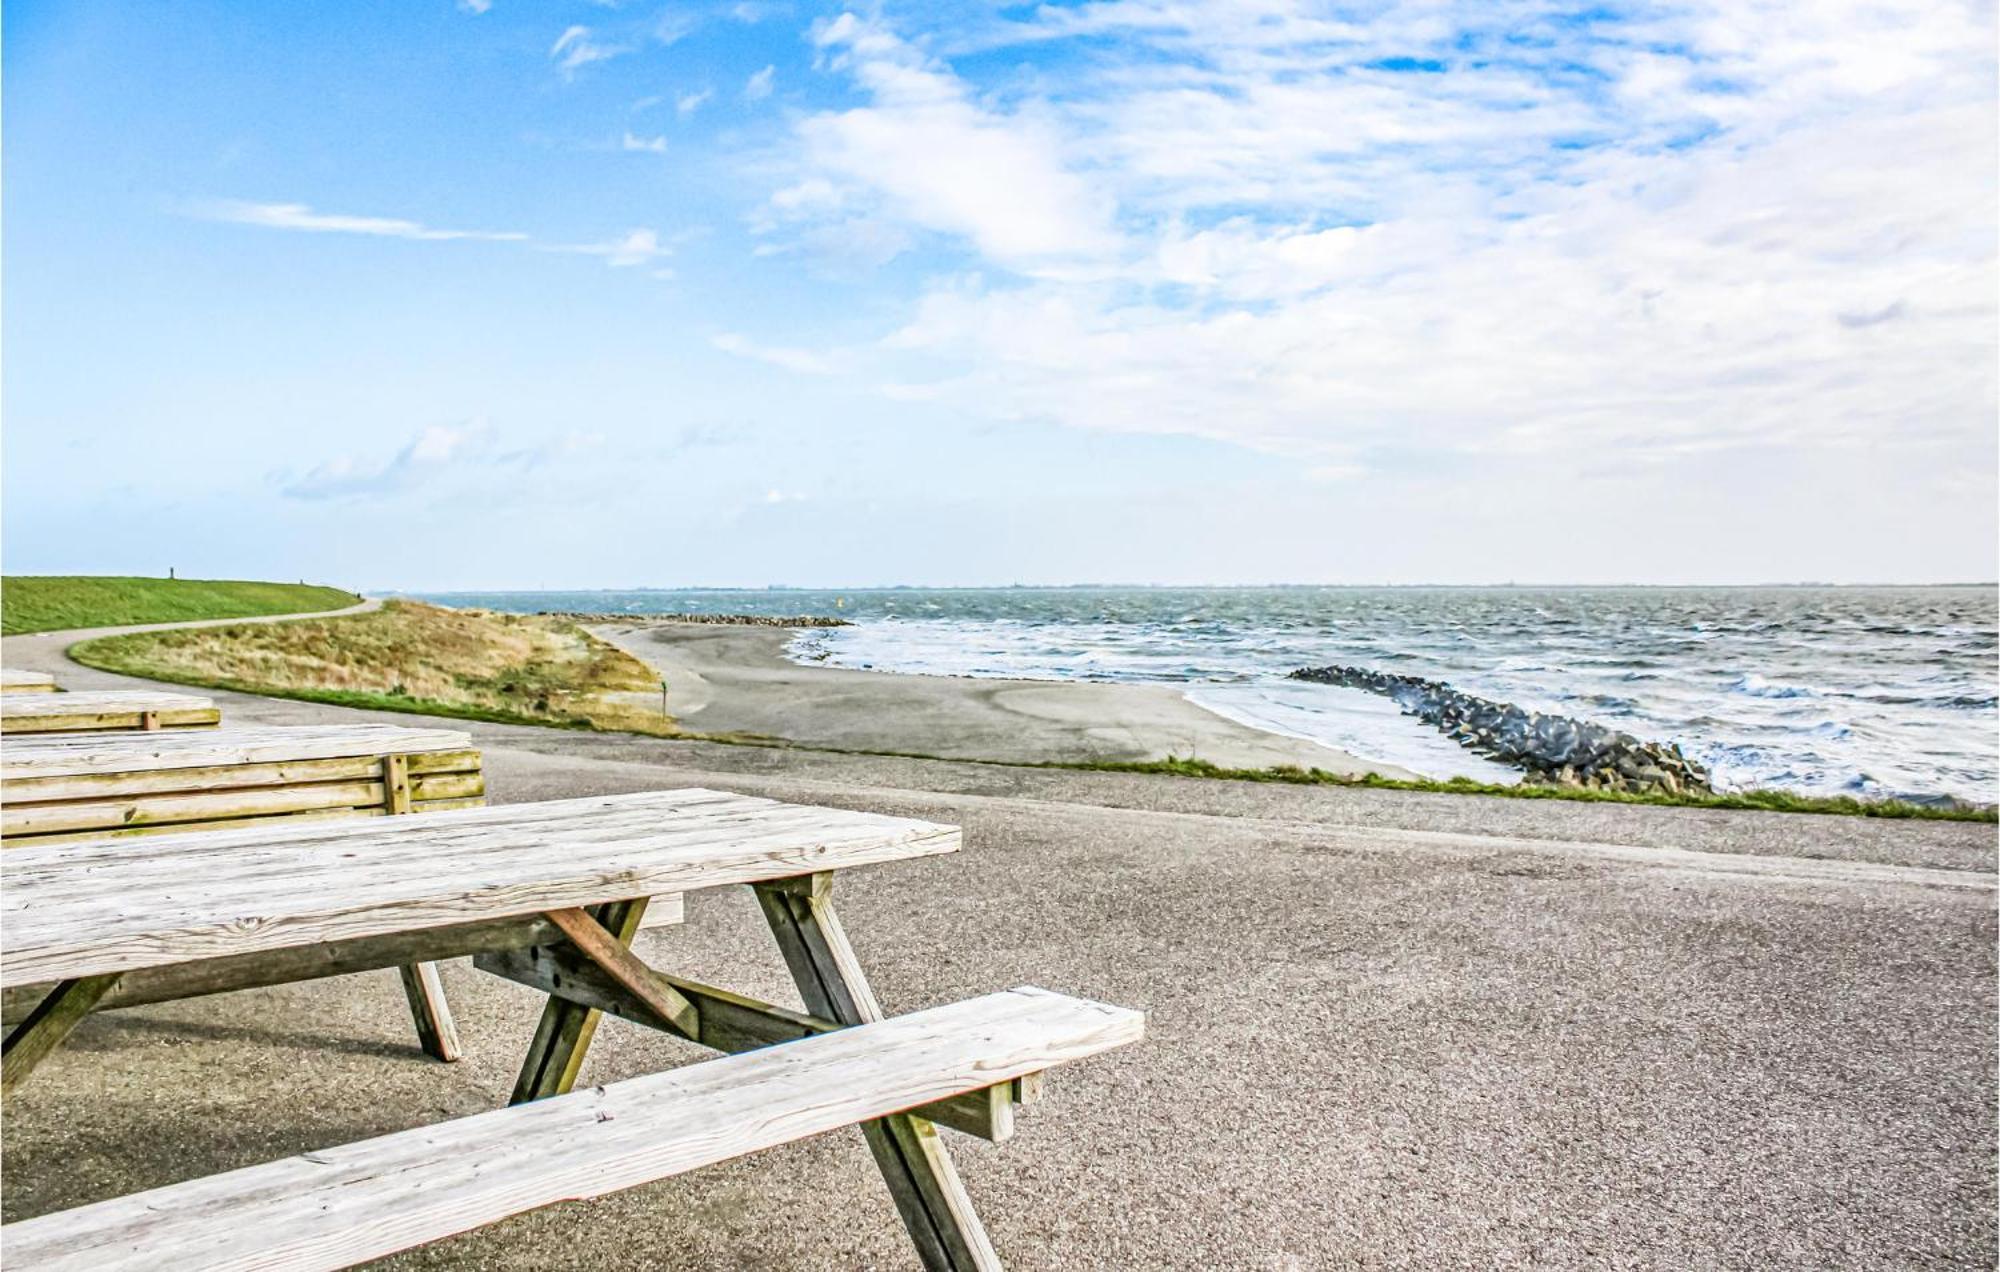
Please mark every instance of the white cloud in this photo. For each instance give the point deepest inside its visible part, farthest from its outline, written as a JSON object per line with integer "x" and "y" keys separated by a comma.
{"x": 803, "y": 361}
{"x": 432, "y": 452}
{"x": 688, "y": 103}
{"x": 647, "y": 145}
{"x": 929, "y": 154}
{"x": 1442, "y": 235}
{"x": 758, "y": 86}
{"x": 635, "y": 247}
{"x": 297, "y": 216}
{"x": 578, "y": 47}
{"x": 475, "y": 6}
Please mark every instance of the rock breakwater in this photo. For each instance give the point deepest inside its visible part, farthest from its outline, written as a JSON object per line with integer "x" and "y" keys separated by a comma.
{"x": 1549, "y": 748}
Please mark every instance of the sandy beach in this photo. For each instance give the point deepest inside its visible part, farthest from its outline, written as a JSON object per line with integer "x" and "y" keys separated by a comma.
{"x": 736, "y": 679}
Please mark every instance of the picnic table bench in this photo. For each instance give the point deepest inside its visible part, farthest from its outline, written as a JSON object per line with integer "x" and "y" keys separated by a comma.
{"x": 64, "y": 787}
{"x": 103, "y": 709}
{"x": 16, "y": 681}
{"x": 548, "y": 894}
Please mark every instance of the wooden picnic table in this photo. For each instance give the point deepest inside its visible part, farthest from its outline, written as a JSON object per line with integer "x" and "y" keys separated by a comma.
{"x": 65, "y": 787}
{"x": 550, "y": 895}
{"x": 96, "y": 710}
{"x": 13, "y": 680}
{"x": 88, "y": 785}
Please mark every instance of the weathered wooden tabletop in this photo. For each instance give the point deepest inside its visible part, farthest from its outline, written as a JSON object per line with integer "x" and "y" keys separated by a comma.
{"x": 98, "y": 907}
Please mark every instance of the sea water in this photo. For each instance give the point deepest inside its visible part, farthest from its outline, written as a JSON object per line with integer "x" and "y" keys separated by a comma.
{"x": 1866, "y": 691}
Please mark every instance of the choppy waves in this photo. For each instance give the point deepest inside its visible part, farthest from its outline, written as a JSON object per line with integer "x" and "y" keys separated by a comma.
{"x": 1864, "y": 691}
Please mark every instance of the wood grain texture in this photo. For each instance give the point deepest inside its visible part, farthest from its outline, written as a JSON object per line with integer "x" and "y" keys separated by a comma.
{"x": 437, "y": 1033}
{"x": 14, "y": 681}
{"x": 615, "y": 959}
{"x": 34, "y": 1039}
{"x": 341, "y": 1206}
{"x": 932, "y": 1200}
{"x": 72, "y": 754}
{"x": 729, "y": 1022}
{"x": 563, "y": 1034}
{"x": 108, "y": 905}
{"x": 312, "y": 962}
{"x": 31, "y": 713}
{"x": 224, "y": 777}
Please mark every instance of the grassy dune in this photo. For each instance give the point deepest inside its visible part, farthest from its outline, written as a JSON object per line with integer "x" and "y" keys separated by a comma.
{"x": 407, "y": 656}
{"x": 46, "y": 603}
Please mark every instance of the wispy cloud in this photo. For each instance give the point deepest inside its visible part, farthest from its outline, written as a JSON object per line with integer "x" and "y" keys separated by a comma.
{"x": 578, "y": 47}
{"x": 803, "y": 361}
{"x": 298, "y": 216}
{"x": 759, "y": 85}
{"x": 475, "y": 6}
{"x": 431, "y": 453}
{"x": 635, "y": 247}
{"x": 647, "y": 145}
{"x": 688, "y": 103}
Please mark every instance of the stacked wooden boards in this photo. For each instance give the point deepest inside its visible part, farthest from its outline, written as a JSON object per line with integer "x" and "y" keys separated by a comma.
{"x": 107, "y": 709}
{"x": 12, "y": 681}
{"x": 65, "y": 786}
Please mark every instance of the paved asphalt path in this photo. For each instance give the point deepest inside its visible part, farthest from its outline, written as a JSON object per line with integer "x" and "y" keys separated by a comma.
{"x": 1386, "y": 1029}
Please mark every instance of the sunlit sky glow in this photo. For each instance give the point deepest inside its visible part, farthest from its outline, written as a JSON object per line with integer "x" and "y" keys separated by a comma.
{"x": 506, "y": 293}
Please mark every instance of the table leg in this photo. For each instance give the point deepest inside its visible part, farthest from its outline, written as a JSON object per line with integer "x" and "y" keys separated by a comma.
{"x": 31, "y": 1042}
{"x": 436, "y": 1031}
{"x": 928, "y": 1193}
{"x": 564, "y": 1034}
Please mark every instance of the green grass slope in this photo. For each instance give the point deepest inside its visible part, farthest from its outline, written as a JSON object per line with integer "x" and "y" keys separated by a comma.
{"x": 46, "y": 603}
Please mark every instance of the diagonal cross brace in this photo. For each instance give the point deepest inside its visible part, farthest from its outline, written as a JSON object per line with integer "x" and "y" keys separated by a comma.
{"x": 616, "y": 958}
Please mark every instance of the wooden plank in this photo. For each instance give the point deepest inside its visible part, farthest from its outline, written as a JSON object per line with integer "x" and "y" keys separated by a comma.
{"x": 16, "y": 681}
{"x": 731, "y": 1023}
{"x": 935, "y": 1208}
{"x": 18, "y": 820}
{"x": 289, "y": 819}
{"x": 341, "y": 1206}
{"x": 34, "y": 1039}
{"x": 312, "y": 962}
{"x": 222, "y": 777}
{"x": 436, "y": 1031}
{"x": 69, "y": 754}
{"x": 562, "y": 1037}
{"x": 94, "y": 722}
{"x": 615, "y": 960}
{"x": 396, "y": 783}
{"x": 106, "y": 905}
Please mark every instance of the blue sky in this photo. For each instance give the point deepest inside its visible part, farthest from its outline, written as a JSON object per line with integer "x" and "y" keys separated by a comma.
{"x": 500, "y": 293}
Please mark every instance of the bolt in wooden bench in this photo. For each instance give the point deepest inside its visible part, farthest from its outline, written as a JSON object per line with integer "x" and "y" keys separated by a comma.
{"x": 13, "y": 681}
{"x": 341, "y": 1206}
{"x": 65, "y": 787}
{"x": 98, "y": 710}
{"x": 550, "y": 894}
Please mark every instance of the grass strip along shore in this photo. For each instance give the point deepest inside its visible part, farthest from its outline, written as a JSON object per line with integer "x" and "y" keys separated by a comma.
{"x": 548, "y": 670}
{"x": 48, "y": 603}
{"x": 411, "y": 657}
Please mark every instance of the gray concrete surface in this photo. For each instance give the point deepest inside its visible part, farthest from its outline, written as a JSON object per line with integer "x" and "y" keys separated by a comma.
{"x": 1364, "y": 1051}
